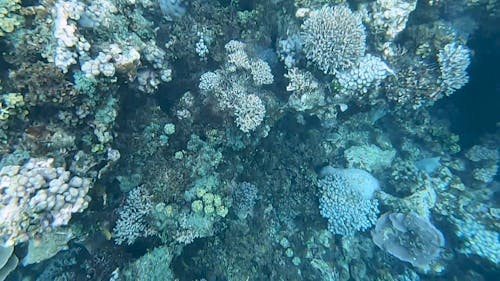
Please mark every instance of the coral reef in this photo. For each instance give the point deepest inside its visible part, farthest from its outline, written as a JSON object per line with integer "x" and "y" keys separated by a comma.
{"x": 190, "y": 140}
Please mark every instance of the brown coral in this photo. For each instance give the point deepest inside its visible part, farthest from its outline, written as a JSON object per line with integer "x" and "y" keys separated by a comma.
{"x": 43, "y": 83}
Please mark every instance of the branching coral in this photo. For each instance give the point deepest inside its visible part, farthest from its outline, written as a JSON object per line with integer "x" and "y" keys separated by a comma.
{"x": 234, "y": 87}
{"x": 333, "y": 38}
{"x": 346, "y": 200}
{"x": 133, "y": 221}
{"x": 453, "y": 62}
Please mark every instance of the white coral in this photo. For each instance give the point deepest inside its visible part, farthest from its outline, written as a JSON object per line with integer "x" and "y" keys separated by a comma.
{"x": 250, "y": 112}
{"x": 38, "y": 197}
{"x": 389, "y": 17}
{"x": 65, "y": 32}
